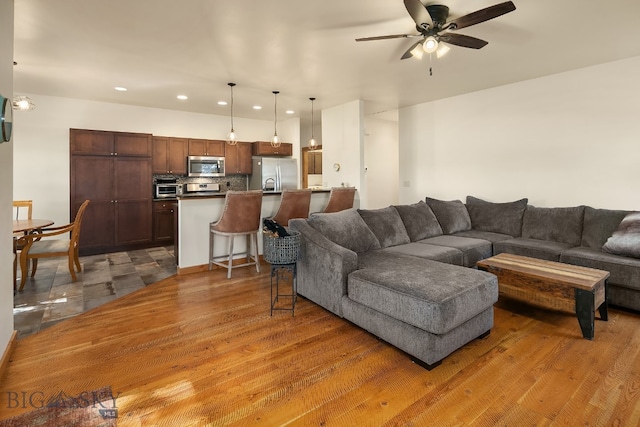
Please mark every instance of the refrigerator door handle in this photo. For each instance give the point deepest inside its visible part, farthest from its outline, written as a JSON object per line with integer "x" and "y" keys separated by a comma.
{"x": 278, "y": 179}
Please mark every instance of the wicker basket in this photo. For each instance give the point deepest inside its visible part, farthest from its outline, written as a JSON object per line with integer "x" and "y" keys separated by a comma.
{"x": 281, "y": 250}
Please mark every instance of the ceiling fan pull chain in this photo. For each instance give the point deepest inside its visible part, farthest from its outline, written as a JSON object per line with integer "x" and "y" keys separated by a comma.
{"x": 430, "y": 66}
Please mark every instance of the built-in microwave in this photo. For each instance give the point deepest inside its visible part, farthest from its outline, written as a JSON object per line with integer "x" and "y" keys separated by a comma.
{"x": 205, "y": 166}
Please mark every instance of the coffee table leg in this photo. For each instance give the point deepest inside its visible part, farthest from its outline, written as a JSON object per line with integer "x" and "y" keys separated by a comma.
{"x": 604, "y": 307}
{"x": 585, "y": 311}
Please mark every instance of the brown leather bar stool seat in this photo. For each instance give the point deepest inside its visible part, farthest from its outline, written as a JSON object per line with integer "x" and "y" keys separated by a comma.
{"x": 240, "y": 217}
{"x": 293, "y": 204}
{"x": 340, "y": 198}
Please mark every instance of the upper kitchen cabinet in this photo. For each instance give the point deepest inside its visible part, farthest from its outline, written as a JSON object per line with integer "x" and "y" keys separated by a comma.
{"x": 314, "y": 163}
{"x": 206, "y": 147}
{"x": 170, "y": 155}
{"x": 264, "y": 148}
{"x": 101, "y": 143}
{"x": 237, "y": 159}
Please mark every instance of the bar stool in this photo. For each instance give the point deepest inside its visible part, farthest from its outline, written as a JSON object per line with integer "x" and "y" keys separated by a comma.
{"x": 293, "y": 204}
{"x": 240, "y": 217}
{"x": 340, "y": 198}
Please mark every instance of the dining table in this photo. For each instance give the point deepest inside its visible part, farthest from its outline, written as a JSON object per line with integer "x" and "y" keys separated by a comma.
{"x": 25, "y": 226}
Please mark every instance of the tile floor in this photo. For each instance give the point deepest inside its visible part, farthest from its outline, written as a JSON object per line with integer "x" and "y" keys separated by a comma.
{"x": 50, "y": 296}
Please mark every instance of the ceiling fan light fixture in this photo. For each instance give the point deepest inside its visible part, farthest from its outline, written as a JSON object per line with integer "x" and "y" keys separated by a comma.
{"x": 430, "y": 44}
{"x": 232, "y": 137}
{"x": 442, "y": 50}
{"x": 275, "y": 141}
{"x": 417, "y": 51}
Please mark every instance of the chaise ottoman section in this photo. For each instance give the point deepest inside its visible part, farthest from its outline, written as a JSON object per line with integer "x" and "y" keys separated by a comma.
{"x": 429, "y": 295}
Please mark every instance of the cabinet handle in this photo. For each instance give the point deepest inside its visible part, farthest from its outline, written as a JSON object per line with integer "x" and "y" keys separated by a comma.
{"x": 115, "y": 154}
{"x": 171, "y": 210}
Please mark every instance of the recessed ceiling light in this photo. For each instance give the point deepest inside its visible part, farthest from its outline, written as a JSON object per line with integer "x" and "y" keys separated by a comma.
{"x": 182, "y": 97}
{"x": 222, "y": 102}
{"x": 120, "y": 89}
{"x": 289, "y": 111}
{"x": 257, "y": 107}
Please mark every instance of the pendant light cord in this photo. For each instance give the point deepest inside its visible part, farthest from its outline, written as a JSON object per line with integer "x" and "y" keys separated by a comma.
{"x": 275, "y": 112}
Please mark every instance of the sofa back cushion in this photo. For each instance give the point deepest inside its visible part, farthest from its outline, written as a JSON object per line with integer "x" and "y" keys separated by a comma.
{"x": 452, "y": 215}
{"x": 599, "y": 225}
{"x": 419, "y": 220}
{"x": 563, "y": 225}
{"x": 347, "y": 229}
{"x": 625, "y": 241}
{"x": 505, "y": 218}
{"x": 387, "y": 225}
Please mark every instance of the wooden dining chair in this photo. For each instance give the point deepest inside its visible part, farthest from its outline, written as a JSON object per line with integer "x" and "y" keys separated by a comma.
{"x": 25, "y": 204}
{"x": 38, "y": 246}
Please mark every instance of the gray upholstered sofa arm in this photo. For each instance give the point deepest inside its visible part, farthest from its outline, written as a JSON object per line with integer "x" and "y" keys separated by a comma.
{"x": 323, "y": 267}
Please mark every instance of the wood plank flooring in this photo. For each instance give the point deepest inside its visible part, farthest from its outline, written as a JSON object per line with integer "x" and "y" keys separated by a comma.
{"x": 199, "y": 350}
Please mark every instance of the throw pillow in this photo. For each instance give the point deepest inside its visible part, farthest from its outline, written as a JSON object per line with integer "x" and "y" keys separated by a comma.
{"x": 452, "y": 215}
{"x": 599, "y": 225}
{"x": 387, "y": 225}
{"x": 625, "y": 240}
{"x": 419, "y": 220}
{"x": 347, "y": 229}
{"x": 505, "y": 218}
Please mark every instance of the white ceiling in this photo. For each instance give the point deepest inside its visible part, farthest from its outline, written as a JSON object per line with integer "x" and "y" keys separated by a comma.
{"x": 161, "y": 48}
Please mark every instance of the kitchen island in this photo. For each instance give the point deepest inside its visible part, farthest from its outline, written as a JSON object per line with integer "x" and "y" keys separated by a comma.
{"x": 196, "y": 212}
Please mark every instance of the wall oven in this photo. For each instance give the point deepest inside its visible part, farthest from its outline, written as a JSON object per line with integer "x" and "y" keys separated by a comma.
{"x": 205, "y": 166}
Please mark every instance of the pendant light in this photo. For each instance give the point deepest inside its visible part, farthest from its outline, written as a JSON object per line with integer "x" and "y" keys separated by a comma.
{"x": 275, "y": 141}
{"x": 232, "y": 138}
{"x": 312, "y": 142}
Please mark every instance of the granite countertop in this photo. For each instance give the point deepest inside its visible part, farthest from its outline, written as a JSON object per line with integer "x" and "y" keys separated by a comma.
{"x": 216, "y": 195}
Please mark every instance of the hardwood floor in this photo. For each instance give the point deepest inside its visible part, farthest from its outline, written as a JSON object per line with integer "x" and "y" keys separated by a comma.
{"x": 202, "y": 350}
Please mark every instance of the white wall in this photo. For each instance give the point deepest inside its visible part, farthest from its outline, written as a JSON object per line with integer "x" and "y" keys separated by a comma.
{"x": 381, "y": 162}
{"x": 343, "y": 143}
{"x": 561, "y": 140}
{"x": 42, "y": 141}
{"x": 6, "y": 178}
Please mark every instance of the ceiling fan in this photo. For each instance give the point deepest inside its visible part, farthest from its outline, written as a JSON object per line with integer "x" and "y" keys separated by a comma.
{"x": 433, "y": 28}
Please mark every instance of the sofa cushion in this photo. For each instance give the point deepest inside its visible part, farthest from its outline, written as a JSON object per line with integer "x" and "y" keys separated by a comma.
{"x": 435, "y": 253}
{"x": 386, "y": 224}
{"x": 599, "y": 225}
{"x": 347, "y": 229}
{"x": 484, "y": 235}
{"x": 429, "y": 295}
{"x": 505, "y": 218}
{"x": 625, "y": 240}
{"x": 624, "y": 271}
{"x": 452, "y": 215}
{"x": 562, "y": 225}
{"x": 541, "y": 249}
{"x": 473, "y": 250}
{"x": 419, "y": 220}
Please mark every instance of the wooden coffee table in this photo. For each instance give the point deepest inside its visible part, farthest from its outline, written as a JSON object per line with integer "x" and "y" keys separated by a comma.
{"x": 552, "y": 285}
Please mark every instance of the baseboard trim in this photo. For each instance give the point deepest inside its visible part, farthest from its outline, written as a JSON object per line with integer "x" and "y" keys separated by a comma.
{"x": 6, "y": 357}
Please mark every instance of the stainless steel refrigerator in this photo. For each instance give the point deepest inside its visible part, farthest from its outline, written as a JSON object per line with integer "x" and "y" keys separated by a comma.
{"x": 274, "y": 174}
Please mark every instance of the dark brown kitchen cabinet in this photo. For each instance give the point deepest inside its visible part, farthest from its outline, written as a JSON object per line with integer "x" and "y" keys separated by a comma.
{"x": 103, "y": 143}
{"x": 164, "y": 219}
{"x": 206, "y": 147}
{"x": 314, "y": 163}
{"x": 264, "y": 148}
{"x": 237, "y": 159}
{"x": 170, "y": 155}
{"x": 118, "y": 181}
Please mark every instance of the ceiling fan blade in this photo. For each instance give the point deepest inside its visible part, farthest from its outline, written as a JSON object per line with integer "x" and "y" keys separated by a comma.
{"x": 408, "y": 53}
{"x": 392, "y": 36}
{"x": 419, "y": 13}
{"x": 462, "y": 40}
{"x": 483, "y": 15}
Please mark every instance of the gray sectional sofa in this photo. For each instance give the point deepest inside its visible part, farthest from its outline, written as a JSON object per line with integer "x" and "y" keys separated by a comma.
{"x": 406, "y": 273}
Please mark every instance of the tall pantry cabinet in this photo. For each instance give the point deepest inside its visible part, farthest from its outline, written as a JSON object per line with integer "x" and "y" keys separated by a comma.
{"x": 113, "y": 170}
